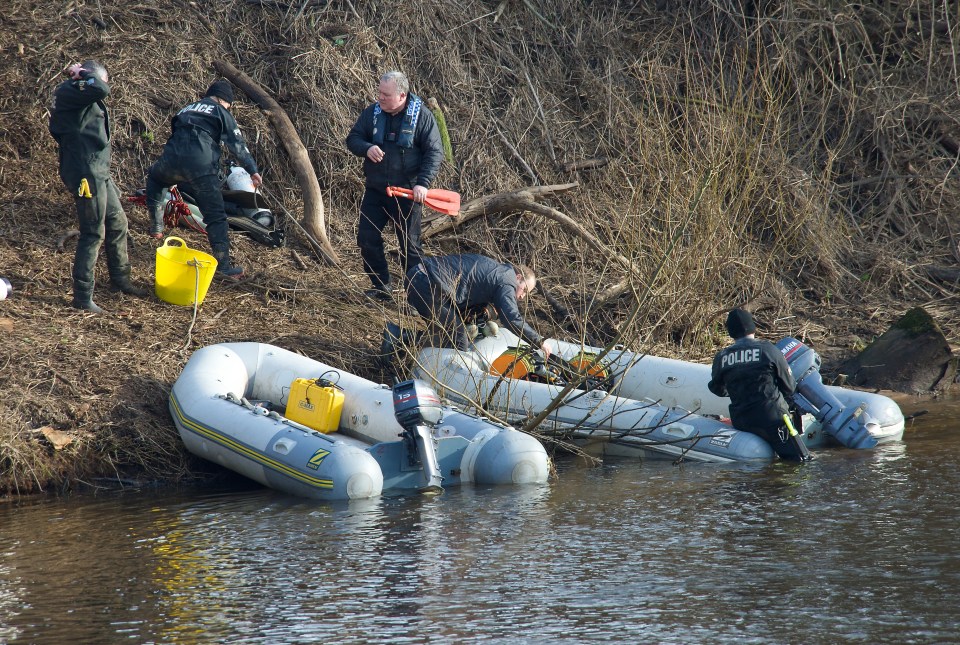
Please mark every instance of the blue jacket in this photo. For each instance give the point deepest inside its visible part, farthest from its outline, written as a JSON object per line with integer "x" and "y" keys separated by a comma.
{"x": 472, "y": 279}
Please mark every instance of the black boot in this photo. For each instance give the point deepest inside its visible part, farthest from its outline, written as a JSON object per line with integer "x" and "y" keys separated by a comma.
{"x": 156, "y": 222}
{"x": 226, "y": 269}
{"x": 381, "y": 293}
{"x": 86, "y": 303}
{"x": 382, "y": 289}
{"x": 124, "y": 285}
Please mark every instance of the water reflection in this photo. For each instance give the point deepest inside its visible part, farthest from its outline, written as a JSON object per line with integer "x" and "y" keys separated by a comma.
{"x": 12, "y": 595}
{"x": 853, "y": 546}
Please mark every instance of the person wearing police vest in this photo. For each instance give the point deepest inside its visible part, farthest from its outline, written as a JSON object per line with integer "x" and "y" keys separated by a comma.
{"x": 442, "y": 288}
{"x": 756, "y": 377}
{"x": 399, "y": 140}
{"x": 192, "y": 155}
{"x": 80, "y": 123}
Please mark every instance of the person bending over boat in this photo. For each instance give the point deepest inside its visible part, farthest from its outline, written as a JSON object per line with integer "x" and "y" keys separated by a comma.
{"x": 442, "y": 288}
{"x": 756, "y": 377}
{"x": 192, "y": 154}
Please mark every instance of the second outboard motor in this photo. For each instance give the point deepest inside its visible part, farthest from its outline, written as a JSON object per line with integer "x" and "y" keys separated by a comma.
{"x": 417, "y": 409}
{"x": 849, "y": 427}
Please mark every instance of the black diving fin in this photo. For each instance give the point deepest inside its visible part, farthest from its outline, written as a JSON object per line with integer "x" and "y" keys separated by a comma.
{"x": 256, "y": 230}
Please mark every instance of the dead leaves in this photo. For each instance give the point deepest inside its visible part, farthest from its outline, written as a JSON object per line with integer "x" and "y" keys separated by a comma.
{"x": 58, "y": 438}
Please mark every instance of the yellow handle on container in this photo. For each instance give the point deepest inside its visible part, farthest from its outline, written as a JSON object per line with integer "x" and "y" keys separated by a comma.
{"x": 183, "y": 245}
{"x": 84, "y": 190}
{"x": 174, "y": 238}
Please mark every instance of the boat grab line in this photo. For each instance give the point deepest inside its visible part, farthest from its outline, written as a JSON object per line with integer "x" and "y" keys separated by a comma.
{"x": 235, "y": 446}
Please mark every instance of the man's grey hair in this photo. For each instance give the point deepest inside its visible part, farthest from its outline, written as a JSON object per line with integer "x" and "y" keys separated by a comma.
{"x": 525, "y": 272}
{"x": 96, "y": 68}
{"x": 403, "y": 83}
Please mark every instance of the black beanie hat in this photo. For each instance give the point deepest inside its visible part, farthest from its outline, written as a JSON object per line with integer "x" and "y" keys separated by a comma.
{"x": 221, "y": 89}
{"x": 740, "y": 323}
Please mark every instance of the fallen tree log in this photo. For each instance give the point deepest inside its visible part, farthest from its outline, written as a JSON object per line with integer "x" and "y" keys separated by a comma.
{"x": 492, "y": 204}
{"x": 943, "y": 274}
{"x": 608, "y": 295}
{"x": 585, "y": 164}
{"x": 524, "y": 202}
{"x": 313, "y": 212}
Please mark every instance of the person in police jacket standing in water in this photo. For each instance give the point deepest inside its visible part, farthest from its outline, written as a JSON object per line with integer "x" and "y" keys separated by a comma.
{"x": 192, "y": 154}
{"x": 756, "y": 377}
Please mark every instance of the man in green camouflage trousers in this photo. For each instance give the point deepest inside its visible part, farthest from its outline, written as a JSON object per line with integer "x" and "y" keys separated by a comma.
{"x": 80, "y": 124}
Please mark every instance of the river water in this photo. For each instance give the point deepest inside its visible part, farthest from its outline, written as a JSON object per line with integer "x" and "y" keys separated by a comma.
{"x": 853, "y": 547}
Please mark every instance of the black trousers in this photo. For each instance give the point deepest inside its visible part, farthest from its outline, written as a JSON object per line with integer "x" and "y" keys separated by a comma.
{"x": 440, "y": 312}
{"x": 376, "y": 210}
{"x": 778, "y": 436}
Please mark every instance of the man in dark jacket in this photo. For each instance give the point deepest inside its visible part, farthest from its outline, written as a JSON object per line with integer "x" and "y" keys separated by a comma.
{"x": 401, "y": 146}
{"x": 192, "y": 154}
{"x": 80, "y": 124}
{"x": 442, "y": 288}
{"x": 756, "y": 377}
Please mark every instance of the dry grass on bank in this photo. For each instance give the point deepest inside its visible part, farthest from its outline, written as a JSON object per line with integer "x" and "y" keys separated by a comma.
{"x": 818, "y": 146}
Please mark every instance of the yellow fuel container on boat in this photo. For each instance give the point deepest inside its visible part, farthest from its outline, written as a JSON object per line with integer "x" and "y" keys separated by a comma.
{"x": 315, "y": 403}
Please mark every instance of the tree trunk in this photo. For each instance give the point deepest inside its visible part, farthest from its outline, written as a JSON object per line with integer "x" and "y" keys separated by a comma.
{"x": 313, "y": 214}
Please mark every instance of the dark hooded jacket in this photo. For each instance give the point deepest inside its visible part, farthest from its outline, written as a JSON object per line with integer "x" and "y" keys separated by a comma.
{"x": 81, "y": 126}
{"x": 197, "y": 132}
{"x": 404, "y": 167}
{"x": 470, "y": 280}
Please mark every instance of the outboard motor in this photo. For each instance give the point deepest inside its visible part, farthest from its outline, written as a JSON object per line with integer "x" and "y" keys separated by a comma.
{"x": 417, "y": 408}
{"x": 849, "y": 427}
